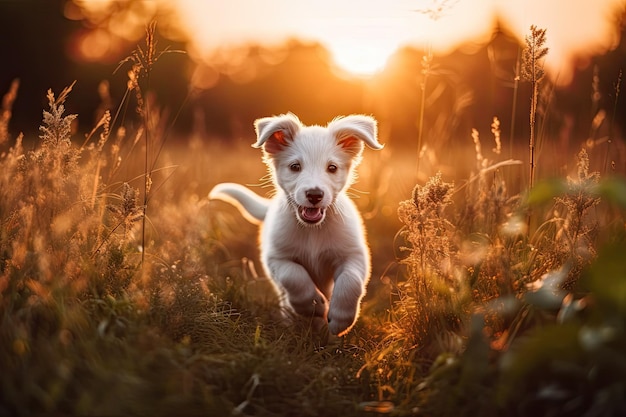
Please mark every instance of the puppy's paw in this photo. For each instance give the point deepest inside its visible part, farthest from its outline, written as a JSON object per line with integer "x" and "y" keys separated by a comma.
{"x": 340, "y": 321}
{"x": 313, "y": 304}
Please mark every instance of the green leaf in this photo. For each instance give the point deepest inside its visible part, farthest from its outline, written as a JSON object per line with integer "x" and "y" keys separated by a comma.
{"x": 545, "y": 191}
{"x": 613, "y": 190}
{"x": 606, "y": 279}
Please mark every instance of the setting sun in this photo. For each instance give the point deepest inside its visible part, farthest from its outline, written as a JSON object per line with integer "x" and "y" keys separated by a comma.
{"x": 360, "y": 35}
{"x": 360, "y": 60}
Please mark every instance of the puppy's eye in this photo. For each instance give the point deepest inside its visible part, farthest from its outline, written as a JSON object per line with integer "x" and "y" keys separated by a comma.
{"x": 295, "y": 167}
{"x": 332, "y": 168}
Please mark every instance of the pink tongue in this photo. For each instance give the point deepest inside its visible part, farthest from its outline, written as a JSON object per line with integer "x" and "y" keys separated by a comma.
{"x": 312, "y": 214}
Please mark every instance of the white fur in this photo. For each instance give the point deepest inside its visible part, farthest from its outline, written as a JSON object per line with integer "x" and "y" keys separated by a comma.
{"x": 312, "y": 238}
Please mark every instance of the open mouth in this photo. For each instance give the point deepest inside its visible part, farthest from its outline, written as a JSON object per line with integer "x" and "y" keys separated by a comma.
{"x": 311, "y": 215}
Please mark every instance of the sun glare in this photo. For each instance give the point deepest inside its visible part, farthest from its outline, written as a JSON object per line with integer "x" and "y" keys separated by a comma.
{"x": 360, "y": 34}
{"x": 360, "y": 60}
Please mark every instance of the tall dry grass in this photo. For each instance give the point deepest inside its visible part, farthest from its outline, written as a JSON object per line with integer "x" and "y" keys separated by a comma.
{"x": 490, "y": 275}
{"x": 108, "y": 308}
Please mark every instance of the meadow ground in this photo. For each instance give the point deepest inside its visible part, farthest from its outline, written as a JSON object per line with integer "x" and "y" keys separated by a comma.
{"x": 124, "y": 291}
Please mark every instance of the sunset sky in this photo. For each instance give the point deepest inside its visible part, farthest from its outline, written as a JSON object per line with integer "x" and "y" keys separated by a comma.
{"x": 362, "y": 34}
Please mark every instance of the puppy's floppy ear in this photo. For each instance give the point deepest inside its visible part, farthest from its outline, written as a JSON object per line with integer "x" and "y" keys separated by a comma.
{"x": 354, "y": 130}
{"x": 274, "y": 133}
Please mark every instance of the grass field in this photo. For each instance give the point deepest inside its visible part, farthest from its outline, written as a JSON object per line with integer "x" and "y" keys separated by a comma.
{"x": 124, "y": 291}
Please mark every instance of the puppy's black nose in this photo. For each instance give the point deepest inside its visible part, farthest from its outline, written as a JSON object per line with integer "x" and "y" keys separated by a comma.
{"x": 315, "y": 195}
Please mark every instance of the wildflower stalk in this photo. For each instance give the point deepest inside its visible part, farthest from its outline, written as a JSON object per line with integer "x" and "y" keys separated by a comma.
{"x": 147, "y": 179}
{"x": 532, "y": 70}
{"x": 426, "y": 68}
{"x": 516, "y": 79}
{"x": 617, "y": 88}
{"x": 149, "y": 60}
{"x": 6, "y": 110}
{"x": 142, "y": 62}
{"x": 427, "y": 232}
{"x": 436, "y": 11}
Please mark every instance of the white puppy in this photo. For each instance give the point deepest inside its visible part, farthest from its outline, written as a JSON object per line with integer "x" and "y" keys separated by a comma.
{"x": 313, "y": 243}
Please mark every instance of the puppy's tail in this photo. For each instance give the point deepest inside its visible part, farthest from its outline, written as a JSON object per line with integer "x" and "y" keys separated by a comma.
{"x": 252, "y": 206}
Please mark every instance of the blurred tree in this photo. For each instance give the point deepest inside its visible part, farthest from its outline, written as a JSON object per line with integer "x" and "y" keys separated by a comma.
{"x": 39, "y": 40}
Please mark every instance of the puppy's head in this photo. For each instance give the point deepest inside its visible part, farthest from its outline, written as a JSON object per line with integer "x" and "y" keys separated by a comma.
{"x": 313, "y": 164}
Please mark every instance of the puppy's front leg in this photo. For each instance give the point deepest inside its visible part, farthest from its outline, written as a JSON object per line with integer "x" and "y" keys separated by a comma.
{"x": 349, "y": 290}
{"x": 302, "y": 294}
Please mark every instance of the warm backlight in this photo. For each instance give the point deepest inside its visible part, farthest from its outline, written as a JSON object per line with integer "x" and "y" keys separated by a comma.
{"x": 360, "y": 34}
{"x": 360, "y": 60}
